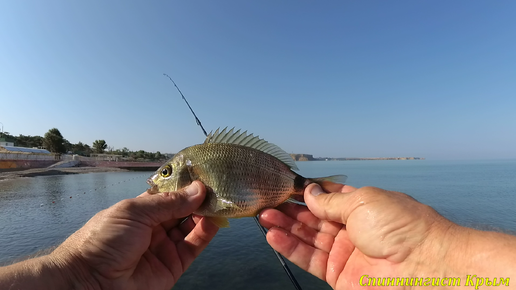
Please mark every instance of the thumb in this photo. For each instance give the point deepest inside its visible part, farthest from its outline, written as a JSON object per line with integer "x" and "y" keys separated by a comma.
{"x": 152, "y": 210}
{"x": 327, "y": 206}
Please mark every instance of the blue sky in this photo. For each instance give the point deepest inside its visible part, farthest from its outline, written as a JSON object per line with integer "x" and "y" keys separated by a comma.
{"x": 435, "y": 79}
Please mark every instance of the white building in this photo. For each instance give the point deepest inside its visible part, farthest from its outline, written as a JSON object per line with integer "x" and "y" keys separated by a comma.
{"x": 5, "y": 143}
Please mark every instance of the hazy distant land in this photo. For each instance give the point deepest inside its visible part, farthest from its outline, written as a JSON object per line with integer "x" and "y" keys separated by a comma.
{"x": 309, "y": 157}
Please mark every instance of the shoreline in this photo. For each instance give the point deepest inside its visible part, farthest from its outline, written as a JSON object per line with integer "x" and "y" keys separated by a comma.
{"x": 34, "y": 172}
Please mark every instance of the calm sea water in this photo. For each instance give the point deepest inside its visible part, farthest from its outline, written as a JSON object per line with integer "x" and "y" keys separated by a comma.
{"x": 37, "y": 213}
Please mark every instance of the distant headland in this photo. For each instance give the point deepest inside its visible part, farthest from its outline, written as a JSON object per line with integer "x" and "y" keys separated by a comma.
{"x": 309, "y": 157}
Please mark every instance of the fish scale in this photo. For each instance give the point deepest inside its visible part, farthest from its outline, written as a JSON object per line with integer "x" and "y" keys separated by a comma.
{"x": 243, "y": 174}
{"x": 247, "y": 177}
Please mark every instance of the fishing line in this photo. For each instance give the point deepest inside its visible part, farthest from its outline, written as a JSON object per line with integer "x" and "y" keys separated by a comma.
{"x": 280, "y": 258}
{"x": 191, "y": 110}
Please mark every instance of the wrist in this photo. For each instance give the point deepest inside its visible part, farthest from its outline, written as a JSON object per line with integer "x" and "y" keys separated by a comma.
{"x": 464, "y": 257}
{"x": 488, "y": 254}
{"x": 437, "y": 253}
{"x": 72, "y": 271}
{"x": 38, "y": 273}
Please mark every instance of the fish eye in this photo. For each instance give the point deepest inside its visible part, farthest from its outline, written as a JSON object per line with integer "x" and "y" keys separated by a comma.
{"x": 166, "y": 171}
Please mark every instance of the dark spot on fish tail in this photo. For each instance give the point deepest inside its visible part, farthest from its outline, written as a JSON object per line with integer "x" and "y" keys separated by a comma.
{"x": 299, "y": 183}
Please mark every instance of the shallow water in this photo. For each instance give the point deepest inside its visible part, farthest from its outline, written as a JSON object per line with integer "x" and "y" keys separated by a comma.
{"x": 38, "y": 213}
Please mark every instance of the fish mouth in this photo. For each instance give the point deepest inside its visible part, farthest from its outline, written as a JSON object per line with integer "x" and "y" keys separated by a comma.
{"x": 154, "y": 187}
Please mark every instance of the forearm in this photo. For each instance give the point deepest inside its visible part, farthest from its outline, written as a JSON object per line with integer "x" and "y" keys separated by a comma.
{"x": 459, "y": 257}
{"x": 46, "y": 272}
{"x": 485, "y": 256}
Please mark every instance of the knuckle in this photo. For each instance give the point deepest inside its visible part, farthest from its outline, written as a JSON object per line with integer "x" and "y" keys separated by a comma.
{"x": 123, "y": 206}
{"x": 369, "y": 194}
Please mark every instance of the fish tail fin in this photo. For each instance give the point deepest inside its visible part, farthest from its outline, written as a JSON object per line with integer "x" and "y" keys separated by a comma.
{"x": 220, "y": 222}
{"x": 322, "y": 181}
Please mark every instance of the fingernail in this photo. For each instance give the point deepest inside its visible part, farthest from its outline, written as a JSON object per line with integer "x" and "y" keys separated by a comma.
{"x": 316, "y": 190}
{"x": 192, "y": 189}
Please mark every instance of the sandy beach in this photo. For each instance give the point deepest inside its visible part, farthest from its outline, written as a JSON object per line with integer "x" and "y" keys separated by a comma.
{"x": 8, "y": 175}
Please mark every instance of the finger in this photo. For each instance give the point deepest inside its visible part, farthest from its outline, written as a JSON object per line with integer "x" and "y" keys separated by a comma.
{"x": 341, "y": 252}
{"x": 338, "y": 206}
{"x": 187, "y": 226}
{"x": 179, "y": 233}
{"x": 170, "y": 224}
{"x": 306, "y": 257}
{"x": 196, "y": 218}
{"x": 272, "y": 217}
{"x": 334, "y": 206}
{"x": 155, "y": 209}
{"x": 166, "y": 251}
{"x": 329, "y": 186}
{"x": 196, "y": 241}
{"x": 145, "y": 194}
{"x": 304, "y": 215}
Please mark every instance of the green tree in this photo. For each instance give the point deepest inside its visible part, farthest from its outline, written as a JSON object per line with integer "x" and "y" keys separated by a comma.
{"x": 99, "y": 146}
{"x": 81, "y": 149}
{"x": 53, "y": 141}
{"x": 68, "y": 146}
{"x": 27, "y": 141}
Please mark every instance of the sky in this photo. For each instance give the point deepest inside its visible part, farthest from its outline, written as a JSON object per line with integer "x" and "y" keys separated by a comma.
{"x": 433, "y": 79}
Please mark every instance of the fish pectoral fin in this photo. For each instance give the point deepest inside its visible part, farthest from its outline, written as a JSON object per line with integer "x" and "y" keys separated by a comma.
{"x": 292, "y": 200}
{"x": 220, "y": 222}
{"x": 224, "y": 204}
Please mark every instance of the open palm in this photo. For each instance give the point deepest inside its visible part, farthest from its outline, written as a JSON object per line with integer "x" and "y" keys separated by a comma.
{"x": 350, "y": 233}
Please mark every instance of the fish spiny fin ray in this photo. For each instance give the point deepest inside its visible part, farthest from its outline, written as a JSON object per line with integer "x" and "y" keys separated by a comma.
{"x": 246, "y": 139}
{"x": 251, "y": 141}
{"x": 240, "y": 138}
{"x": 218, "y": 138}
{"x": 227, "y": 136}
{"x": 233, "y": 137}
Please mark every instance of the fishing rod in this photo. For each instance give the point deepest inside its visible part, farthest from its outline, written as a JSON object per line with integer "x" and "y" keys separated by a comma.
{"x": 191, "y": 110}
{"x": 280, "y": 258}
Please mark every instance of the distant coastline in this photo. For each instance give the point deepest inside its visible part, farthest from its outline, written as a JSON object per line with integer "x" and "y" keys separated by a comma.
{"x": 309, "y": 157}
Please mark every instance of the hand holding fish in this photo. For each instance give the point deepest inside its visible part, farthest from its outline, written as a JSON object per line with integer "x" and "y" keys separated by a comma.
{"x": 138, "y": 243}
{"x": 350, "y": 232}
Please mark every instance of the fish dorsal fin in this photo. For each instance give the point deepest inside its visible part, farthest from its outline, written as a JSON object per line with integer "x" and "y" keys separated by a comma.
{"x": 243, "y": 139}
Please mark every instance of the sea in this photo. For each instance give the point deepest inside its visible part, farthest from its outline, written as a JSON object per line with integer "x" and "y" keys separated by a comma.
{"x": 40, "y": 212}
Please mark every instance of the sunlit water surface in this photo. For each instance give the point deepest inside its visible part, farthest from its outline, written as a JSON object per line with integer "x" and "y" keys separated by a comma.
{"x": 38, "y": 213}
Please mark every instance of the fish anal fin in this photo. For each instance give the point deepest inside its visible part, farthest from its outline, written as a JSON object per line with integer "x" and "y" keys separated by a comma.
{"x": 220, "y": 222}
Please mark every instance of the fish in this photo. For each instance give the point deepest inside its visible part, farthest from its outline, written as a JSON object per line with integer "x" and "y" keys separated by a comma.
{"x": 243, "y": 174}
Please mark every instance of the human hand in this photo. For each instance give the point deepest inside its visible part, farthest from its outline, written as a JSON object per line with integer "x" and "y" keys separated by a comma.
{"x": 351, "y": 232}
{"x": 138, "y": 243}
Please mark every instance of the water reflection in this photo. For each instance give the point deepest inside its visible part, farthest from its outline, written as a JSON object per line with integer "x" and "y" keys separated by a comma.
{"x": 38, "y": 213}
{"x": 239, "y": 257}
